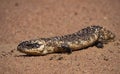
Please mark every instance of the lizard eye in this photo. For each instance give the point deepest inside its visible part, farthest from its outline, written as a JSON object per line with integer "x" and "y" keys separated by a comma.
{"x": 28, "y": 45}
{"x": 33, "y": 45}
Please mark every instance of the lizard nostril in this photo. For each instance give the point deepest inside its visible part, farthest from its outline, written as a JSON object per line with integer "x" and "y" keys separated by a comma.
{"x": 22, "y": 45}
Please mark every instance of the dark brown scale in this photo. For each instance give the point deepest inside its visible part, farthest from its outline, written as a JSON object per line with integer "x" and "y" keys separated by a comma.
{"x": 83, "y": 34}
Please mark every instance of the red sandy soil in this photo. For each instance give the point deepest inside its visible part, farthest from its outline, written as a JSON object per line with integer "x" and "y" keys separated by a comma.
{"x": 29, "y": 19}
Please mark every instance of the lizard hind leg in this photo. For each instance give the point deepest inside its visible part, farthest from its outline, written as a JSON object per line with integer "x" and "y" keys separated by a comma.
{"x": 99, "y": 45}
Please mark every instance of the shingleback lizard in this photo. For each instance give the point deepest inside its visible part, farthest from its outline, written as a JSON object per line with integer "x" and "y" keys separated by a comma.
{"x": 89, "y": 36}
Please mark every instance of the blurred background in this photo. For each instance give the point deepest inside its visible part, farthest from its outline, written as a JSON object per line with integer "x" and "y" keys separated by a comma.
{"x": 30, "y": 19}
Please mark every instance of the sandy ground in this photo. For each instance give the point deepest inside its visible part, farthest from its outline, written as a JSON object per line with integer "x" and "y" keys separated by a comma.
{"x": 29, "y": 19}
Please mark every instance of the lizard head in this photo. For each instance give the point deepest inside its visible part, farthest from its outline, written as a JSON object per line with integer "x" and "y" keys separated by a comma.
{"x": 31, "y": 47}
